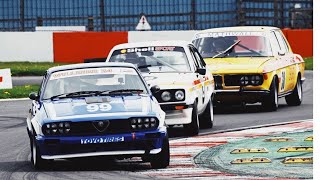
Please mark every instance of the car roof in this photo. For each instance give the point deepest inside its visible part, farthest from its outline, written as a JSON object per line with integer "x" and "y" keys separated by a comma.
{"x": 89, "y": 65}
{"x": 241, "y": 28}
{"x": 152, "y": 43}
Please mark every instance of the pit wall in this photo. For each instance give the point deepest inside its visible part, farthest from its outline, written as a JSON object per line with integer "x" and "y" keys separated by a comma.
{"x": 75, "y": 47}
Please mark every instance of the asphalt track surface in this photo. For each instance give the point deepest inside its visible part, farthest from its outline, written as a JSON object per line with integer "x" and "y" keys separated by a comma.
{"x": 15, "y": 150}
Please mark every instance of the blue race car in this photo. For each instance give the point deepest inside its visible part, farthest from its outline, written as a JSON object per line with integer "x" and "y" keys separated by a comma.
{"x": 96, "y": 109}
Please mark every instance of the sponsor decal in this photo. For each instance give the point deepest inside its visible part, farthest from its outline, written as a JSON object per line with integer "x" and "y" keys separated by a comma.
{"x": 92, "y": 71}
{"x": 233, "y": 33}
{"x": 101, "y": 140}
{"x": 144, "y": 49}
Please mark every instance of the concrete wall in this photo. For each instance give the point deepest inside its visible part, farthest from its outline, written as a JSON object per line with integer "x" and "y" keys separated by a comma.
{"x": 74, "y": 47}
{"x": 26, "y": 46}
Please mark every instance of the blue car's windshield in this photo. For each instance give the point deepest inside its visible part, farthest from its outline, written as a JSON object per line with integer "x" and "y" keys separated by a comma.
{"x": 109, "y": 79}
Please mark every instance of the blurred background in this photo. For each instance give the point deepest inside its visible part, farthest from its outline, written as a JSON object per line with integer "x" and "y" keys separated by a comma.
{"x": 123, "y": 15}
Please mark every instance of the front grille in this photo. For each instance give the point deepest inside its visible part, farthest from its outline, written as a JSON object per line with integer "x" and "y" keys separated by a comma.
{"x": 234, "y": 80}
{"x": 87, "y": 128}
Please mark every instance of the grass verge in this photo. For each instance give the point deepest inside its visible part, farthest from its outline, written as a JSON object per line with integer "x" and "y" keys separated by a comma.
{"x": 309, "y": 63}
{"x": 18, "y": 91}
{"x": 28, "y": 68}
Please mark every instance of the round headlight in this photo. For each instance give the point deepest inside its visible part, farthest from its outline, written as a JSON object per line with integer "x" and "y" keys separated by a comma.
{"x": 179, "y": 95}
{"x": 166, "y": 96}
{"x": 244, "y": 80}
{"x": 255, "y": 80}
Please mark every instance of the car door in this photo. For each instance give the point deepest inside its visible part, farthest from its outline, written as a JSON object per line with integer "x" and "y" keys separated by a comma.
{"x": 201, "y": 87}
{"x": 289, "y": 61}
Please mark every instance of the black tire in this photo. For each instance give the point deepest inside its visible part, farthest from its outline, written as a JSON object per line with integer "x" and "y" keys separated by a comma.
{"x": 206, "y": 119}
{"x": 271, "y": 102}
{"x": 162, "y": 159}
{"x": 192, "y": 129}
{"x": 295, "y": 98}
{"x": 36, "y": 160}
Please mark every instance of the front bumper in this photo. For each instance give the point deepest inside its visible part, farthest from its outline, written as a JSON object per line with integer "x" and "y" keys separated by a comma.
{"x": 177, "y": 117}
{"x": 237, "y": 96}
{"x": 130, "y": 144}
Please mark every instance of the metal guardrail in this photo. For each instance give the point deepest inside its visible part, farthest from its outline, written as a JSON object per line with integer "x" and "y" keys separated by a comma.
{"x": 115, "y": 15}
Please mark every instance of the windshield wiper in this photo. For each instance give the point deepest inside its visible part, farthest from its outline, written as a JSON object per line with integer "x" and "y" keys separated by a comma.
{"x": 78, "y": 93}
{"x": 227, "y": 50}
{"x": 124, "y": 91}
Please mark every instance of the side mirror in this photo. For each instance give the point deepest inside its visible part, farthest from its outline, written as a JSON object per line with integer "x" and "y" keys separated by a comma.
{"x": 155, "y": 89}
{"x": 33, "y": 96}
{"x": 201, "y": 71}
{"x": 281, "y": 53}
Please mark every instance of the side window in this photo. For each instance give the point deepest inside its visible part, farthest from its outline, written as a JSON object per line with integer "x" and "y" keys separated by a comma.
{"x": 195, "y": 62}
{"x": 275, "y": 43}
{"x": 42, "y": 84}
{"x": 199, "y": 58}
{"x": 282, "y": 44}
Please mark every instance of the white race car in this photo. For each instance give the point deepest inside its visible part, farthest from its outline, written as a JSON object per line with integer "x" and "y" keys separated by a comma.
{"x": 186, "y": 85}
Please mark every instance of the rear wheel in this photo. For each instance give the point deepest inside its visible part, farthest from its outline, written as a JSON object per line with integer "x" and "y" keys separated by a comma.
{"x": 271, "y": 102}
{"x": 206, "y": 119}
{"x": 162, "y": 159}
{"x": 193, "y": 128}
{"x": 295, "y": 98}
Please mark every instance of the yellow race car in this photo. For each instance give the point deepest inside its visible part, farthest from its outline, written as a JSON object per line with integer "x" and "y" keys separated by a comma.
{"x": 252, "y": 64}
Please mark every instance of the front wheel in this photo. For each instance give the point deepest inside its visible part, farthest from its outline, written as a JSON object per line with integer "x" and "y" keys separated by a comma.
{"x": 206, "y": 119}
{"x": 162, "y": 159}
{"x": 36, "y": 160}
{"x": 193, "y": 128}
{"x": 270, "y": 102}
{"x": 295, "y": 98}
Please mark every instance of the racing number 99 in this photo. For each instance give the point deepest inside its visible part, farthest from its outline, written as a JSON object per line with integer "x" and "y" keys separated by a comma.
{"x": 96, "y": 107}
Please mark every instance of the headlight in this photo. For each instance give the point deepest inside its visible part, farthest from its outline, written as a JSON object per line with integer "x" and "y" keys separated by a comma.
{"x": 56, "y": 128}
{"x": 166, "y": 96}
{"x": 244, "y": 80}
{"x": 256, "y": 80}
{"x": 179, "y": 95}
{"x": 144, "y": 123}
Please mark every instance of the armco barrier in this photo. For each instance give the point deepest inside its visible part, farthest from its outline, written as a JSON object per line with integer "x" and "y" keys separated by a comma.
{"x": 74, "y": 47}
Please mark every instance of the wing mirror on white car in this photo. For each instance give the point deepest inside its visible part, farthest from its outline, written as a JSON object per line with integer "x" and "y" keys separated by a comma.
{"x": 201, "y": 71}
{"x": 155, "y": 89}
{"x": 33, "y": 96}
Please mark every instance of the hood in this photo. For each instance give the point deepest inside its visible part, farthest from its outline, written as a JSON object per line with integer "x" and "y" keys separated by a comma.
{"x": 236, "y": 64}
{"x": 95, "y": 106}
{"x": 169, "y": 80}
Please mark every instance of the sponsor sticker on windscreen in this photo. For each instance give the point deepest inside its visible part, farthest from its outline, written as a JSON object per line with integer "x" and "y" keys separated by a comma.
{"x": 91, "y": 71}
{"x": 101, "y": 140}
{"x": 151, "y": 48}
{"x": 232, "y": 33}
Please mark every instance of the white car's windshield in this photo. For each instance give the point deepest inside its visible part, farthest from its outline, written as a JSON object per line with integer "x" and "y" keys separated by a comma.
{"x": 85, "y": 81}
{"x": 252, "y": 46}
{"x": 154, "y": 59}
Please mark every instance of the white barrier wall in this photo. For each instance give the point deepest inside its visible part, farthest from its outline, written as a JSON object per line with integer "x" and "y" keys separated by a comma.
{"x": 140, "y": 36}
{"x": 26, "y": 46}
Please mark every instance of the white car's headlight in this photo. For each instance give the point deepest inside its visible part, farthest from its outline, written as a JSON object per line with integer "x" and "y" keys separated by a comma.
{"x": 166, "y": 96}
{"x": 179, "y": 95}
